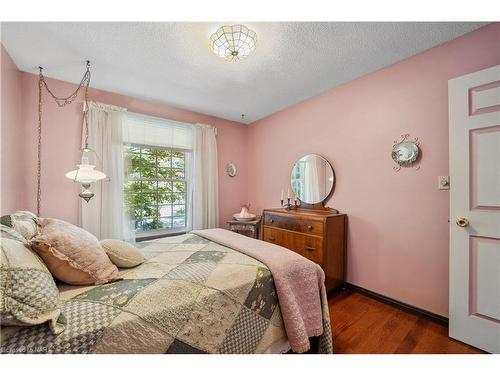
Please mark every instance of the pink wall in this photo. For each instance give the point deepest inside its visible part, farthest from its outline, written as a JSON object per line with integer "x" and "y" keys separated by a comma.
{"x": 11, "y": 129}
{"x": 398, "y": 222}
{"x": 61, "y": 141}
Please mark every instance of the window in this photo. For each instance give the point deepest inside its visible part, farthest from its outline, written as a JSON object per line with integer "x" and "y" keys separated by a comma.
{"x": 155, "y": 190}
{"x": 157, "y": 155}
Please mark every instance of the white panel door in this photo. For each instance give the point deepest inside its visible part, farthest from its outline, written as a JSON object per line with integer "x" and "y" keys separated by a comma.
{"x": 474, "y": 115}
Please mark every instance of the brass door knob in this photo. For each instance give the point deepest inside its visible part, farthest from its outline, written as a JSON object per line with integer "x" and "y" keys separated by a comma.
{"x": 462, "y": 222}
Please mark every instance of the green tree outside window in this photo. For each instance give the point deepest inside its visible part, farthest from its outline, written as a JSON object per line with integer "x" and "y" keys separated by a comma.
{"x": 155, "y": 188}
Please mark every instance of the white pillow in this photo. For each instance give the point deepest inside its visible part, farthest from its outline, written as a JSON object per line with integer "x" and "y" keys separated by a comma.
{"x": 122, "y": 254}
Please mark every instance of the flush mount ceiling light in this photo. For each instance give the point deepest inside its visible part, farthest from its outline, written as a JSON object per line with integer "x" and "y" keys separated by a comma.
{"x": 233, "y": 43}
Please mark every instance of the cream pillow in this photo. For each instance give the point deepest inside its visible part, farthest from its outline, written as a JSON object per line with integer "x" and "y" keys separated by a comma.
{"x": 28, "y": 294}
{"x": 24, "y": 222}
{"x": 72, "y": 254}
{"x": 8, "y": 232}
{"x": 122, "y": 254}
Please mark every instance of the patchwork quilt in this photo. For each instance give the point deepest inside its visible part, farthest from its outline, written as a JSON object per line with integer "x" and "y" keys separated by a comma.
{"x": 190, "y": 296}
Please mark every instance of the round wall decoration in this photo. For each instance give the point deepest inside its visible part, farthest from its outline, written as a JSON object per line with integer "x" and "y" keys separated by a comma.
{"x": 231, "y": 169}
{"x": 405, "y": 152}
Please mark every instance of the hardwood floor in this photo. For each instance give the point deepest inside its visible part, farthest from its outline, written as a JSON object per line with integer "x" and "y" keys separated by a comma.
{"x": 363, "y": 325}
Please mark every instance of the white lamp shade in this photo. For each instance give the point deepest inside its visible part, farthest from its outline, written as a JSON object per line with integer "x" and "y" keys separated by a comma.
{"x": 85, "y": 174}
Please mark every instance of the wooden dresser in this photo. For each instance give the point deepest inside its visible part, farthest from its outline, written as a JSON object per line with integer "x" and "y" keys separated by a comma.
{"x": 319, "y": 235}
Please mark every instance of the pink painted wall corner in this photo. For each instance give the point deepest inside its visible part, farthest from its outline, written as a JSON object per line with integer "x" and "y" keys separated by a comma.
{"x": 61, "y": 135}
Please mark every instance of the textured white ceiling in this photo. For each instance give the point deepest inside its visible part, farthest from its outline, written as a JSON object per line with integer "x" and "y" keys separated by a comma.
{"x": 171, "y": 62}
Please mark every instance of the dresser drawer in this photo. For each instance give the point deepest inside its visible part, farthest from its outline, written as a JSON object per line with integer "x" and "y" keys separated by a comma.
{"x": 269, "y": 235}
{"x": 310, "y": 247}
{"x": 315, "y": 227}
{"x": 313, "y": 249}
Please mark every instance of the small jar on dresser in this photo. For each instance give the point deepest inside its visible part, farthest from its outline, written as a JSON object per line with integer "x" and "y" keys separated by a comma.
{"x": 316, "y": 234}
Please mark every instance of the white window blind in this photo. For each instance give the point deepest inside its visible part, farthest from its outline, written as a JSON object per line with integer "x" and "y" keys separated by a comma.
{"x": 154, "y": 131}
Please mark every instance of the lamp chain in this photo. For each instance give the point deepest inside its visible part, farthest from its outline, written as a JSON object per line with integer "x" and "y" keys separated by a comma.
{"x": 39, "y": 161}
{"x": 86, "y": 109}
{"x": 61, "y": 102}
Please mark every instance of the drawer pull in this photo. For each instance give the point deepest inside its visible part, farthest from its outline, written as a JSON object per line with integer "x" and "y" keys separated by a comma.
{"x": 272, "y": 239}
{"x": 310, "y": 248}
{"x": 310, "y": 227}
{"x": 271, "y": 220}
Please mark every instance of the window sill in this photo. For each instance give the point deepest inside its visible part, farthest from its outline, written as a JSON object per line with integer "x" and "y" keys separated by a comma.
{"x": 154, "y": 234}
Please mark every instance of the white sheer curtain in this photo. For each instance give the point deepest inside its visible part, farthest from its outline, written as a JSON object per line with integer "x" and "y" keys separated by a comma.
{"x": 205, "y": 184}
{"x": 105, "y": 214}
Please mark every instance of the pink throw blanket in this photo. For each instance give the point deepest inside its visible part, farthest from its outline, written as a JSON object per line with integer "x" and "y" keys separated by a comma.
{"x": 300, "y": 285}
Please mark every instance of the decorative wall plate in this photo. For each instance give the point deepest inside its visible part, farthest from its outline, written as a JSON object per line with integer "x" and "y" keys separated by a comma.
{"x": 231, "y": 169}
{"x": 405, "y": 152}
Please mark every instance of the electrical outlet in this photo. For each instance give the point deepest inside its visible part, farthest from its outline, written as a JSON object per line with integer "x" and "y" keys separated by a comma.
{"x": 444, "y": 182}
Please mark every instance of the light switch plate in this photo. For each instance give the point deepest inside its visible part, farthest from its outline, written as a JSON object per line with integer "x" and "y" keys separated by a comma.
{"x": 444, "y": 182}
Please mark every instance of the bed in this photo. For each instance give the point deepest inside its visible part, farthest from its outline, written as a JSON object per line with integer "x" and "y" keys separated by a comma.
{"x": 192, "y": 295}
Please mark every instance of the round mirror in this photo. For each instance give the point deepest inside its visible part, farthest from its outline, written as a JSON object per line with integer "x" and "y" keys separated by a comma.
{"x": 312, "y": 179}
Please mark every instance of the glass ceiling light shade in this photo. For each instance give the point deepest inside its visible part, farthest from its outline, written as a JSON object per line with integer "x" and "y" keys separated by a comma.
{"x": 233, "y": 43}
{"x": 86, "y": 175}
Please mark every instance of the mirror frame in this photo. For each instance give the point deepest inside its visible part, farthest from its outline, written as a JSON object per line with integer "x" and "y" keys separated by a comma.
{"x": 319, "y": 205}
